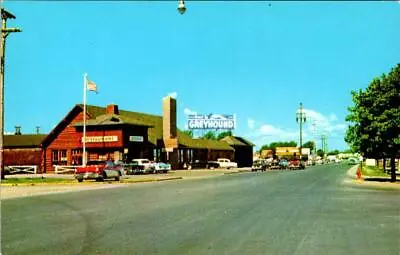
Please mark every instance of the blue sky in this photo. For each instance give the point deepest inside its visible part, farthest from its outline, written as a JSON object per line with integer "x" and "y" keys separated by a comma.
{"x": 245, "y": 58}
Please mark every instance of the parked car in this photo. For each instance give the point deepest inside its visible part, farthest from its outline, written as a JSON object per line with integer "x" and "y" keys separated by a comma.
{"x": 226, "y": 163}
{"x": 199, "y": 164}
{"x": 133, "y": 168}
{"x": 161, "y": 167}
{"x": 259, "y": 165}
{"x": 148, "y": 167}
{"x": 296, "y": 164}
{"x": 99, "y": 171}
{"x": 283, "y": 163}
{"x": 275, "y": 165}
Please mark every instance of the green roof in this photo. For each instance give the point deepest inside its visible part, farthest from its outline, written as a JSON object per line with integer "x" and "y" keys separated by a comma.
{"x": 155, "y": 131}
{"x": 189, "y": 142}
{"x": 23, "y": 141}
{"x": 237, "y": 141}
{"x": 112, "y": 119}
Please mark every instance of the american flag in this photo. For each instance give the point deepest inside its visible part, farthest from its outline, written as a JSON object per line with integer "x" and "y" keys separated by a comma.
{"x": 91, "y": 86}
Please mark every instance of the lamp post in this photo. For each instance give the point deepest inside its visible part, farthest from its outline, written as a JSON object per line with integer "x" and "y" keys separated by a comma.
{"x": 301, "y": 118}
{"x": 5, "y": 31}
{"x": 181, "y": 7}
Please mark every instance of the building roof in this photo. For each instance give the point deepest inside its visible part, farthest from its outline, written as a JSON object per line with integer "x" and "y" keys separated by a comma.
{"x": 237, "y": 141}
{"x": 23, "y": 141}
{"x": 112, "y": 119}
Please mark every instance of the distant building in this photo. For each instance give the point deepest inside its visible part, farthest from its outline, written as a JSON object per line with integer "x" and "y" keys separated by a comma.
{"x": 23, "y": 149}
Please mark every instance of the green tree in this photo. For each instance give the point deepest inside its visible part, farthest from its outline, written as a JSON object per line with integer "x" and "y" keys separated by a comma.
{"x": 375, "y": 116}
{"x": 188, "y": 132}
{"x": 272, "y": 146}
{"x": 310, "y": 145}
{"x": 334, "y": 152}
{"x": 224, "y": 134}
{"x": 210, "y": 135}
{"x": 320, "y": 153}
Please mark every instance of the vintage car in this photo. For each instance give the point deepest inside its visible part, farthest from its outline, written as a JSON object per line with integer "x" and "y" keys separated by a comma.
{"x": 147, "y": 165}
{"x": 161, "y": 167}
{"x": 259, "y": 165}
{"x": 99, "y": 170}
{"x": 198, "y": 164}
{"x": 296, "y": 164}
{"x": 133, "y": 168}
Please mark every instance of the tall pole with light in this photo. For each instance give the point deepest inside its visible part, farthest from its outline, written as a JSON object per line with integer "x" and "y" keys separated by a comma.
{"x": 181, "y": 6}
{"x": 301, "y": 118}
{"x": 5, "y": 31}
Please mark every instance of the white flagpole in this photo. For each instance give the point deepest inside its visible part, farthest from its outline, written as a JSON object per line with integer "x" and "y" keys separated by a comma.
{"x": 84, "y": 119}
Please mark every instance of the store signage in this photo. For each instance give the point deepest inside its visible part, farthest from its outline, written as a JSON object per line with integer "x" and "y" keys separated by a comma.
{"x": 134, "y": 138}
{"x": 100, "y": 139}
{"x": 211, "y": 121}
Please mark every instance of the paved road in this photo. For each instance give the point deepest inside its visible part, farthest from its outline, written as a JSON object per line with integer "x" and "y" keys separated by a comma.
{"x": 281, "y": 212}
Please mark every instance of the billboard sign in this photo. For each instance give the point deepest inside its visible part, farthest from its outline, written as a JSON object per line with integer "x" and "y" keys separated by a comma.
{"x": 212, "y": 121}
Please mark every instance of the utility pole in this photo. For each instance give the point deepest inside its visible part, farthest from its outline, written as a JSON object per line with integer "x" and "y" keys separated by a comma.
{"x": 5, "y": 31}
{"x": 324, "y": 143}
{"x": 301, "y": 118}
{"x": 314, "y": 140}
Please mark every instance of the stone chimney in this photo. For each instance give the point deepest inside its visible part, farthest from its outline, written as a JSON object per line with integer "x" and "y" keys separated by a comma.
{"x": 169, "y": 118}
{"x": 17, "y": 130}
{"x": 112, "y": 109}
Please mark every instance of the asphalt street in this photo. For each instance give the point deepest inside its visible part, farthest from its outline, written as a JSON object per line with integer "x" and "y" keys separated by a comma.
{"x": 277, "y": 212}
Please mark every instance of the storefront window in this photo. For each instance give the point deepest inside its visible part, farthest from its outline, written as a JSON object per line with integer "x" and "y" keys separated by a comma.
{"x": 59, "y": 157}
{"x": 76, "y": 157}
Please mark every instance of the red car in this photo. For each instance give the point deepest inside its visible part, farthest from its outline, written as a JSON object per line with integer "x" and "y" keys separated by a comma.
{"x": 296, "y": 164}
{"x": 99, "y": 171}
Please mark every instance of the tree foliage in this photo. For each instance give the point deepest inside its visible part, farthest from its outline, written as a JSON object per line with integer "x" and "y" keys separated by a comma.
{"x": 310, "y": 145}
{"x": 210, "y": 135}
{"x": 375, "y": 118}
{"x": 320, "y": 153}
{"x": 224, "y": 134}
{"x": 188, "y": 132}
{"x": 272, "y": 146}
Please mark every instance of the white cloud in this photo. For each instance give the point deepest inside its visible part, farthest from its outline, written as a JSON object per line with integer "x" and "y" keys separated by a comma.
{"x": 265, "y": 133}
{"x": 332, "y": 117}
{"x": 251, "y": 123}
{"x": 173, "y": 94}
{"x": 323, "y": 124}
{"x": 8, "y": 133}
{"x": 187, "y": 111}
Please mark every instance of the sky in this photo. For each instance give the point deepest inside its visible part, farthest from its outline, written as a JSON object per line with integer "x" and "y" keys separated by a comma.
{"x": 257, "y": 60}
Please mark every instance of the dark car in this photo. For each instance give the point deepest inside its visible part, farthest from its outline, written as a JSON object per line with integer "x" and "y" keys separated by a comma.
{"x": 259, "y": 165}
{"x": 198, "y": 164}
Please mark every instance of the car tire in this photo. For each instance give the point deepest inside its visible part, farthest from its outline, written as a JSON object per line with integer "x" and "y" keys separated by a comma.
{"x": 80, "y": 179}
{"x": 118, "y": 178}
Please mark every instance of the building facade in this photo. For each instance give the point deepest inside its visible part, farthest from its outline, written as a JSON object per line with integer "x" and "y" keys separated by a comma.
{"x": 125, "y": 135}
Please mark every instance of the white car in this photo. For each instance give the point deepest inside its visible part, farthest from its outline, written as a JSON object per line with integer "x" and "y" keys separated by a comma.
{"x": 148, "y": 167}
{"x": 226, "y": 163}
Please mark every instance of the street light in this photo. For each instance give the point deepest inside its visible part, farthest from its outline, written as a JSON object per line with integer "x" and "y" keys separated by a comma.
{"x": 5, "y": 31}
{"x": 301, "y": 118}
{"x": 181, "y": 7}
